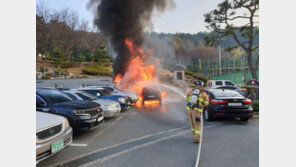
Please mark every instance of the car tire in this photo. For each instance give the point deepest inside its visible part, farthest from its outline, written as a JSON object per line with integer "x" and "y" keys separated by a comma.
{"x": 160, "y": 101}
{"x": 207, "y": 115}
{"x": 244, "y": 119}
{"x": 143, "y": 101}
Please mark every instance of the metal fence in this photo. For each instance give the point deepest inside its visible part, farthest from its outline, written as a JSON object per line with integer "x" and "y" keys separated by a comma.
{"x": 73, "y": 83}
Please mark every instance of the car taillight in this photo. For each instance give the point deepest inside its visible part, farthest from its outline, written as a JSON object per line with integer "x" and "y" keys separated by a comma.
{"x": 247, "y": 101}
{"x": 215, "y": 101}
{"x": 244, "y": 90}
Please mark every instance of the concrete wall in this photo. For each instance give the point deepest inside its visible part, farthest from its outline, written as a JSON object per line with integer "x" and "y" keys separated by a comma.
{"x": 73, "y": 83}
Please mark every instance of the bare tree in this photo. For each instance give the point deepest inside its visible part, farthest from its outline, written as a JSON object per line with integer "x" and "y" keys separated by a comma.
{"x": 224, "y": 22}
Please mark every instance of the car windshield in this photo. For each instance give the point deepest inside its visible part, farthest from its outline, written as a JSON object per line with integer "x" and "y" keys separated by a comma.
{"x": 94, "y": 92}
{"x": 71, "y": 95}
{"x": 226, "y": 94}
{"x": 85, "y": 96}
{"x": 104, "y": 92}
{"x": 54, "y": 96}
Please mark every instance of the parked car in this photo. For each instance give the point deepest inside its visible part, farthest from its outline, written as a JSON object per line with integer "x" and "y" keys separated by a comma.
{"x": 82, "y": 115}
{"x": 101, "y": 93}
{"x": 109, "y": 107}
{"x": 53, "y": 134}
{"x": 227, "y": 104}
{"x": 243, "y": 92}
{"x": 214, "y": 83}
{"x": 150, "y": 93}
{"x": 133, "y": 98}
{"x": 225, "y": 84}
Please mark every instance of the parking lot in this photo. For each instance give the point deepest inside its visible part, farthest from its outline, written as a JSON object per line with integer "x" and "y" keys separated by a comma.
{"x": 151, "y": 135}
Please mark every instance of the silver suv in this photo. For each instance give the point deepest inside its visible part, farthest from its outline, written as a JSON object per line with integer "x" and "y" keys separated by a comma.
{"x": 53, "y": 134}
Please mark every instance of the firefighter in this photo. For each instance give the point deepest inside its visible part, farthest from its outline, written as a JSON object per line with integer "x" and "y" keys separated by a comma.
{"x": 197, "y": 101}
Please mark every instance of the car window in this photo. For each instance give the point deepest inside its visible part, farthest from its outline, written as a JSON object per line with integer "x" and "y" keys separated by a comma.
{"x": 209, "y": 84}
{"x": 229, "y": 83}
{"x": 92, "y": 92}
{"x": 54, "y": 96}
{"x": 109, "y": 89}
{"x": 226, "y": 94}
{"x": 104, "y": 92}
{"x": 219, "y": 83}
{"x": 84, "y": 96}
{"x": 72, "y": 96}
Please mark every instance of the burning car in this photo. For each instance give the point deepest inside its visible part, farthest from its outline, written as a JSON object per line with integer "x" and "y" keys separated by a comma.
{"x": 150, "y": 93}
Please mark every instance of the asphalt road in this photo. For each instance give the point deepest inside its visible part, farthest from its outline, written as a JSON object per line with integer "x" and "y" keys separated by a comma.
{"x": 231, "y": 143}
{"x": 152, "y": 135}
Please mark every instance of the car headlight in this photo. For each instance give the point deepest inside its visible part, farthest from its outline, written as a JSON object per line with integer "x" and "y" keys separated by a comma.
{"x": 66, "y": 123}
{"x": 122, "y": 100}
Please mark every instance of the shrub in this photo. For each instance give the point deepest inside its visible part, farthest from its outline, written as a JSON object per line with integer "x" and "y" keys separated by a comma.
{"x": 47, "y": 76}
{"x": 256, "y": 105}
{"x": 66, "y": 64}
{"x": 196, "y": 76}
{"x": 97, "y": 70}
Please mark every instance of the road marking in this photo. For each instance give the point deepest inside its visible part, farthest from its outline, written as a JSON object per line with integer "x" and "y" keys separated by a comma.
{"x": 129, "y": 141}
{"x": 132, "y": 149}
{"x": 78, "y": 145}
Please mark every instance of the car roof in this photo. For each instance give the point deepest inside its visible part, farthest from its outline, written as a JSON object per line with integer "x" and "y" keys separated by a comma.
{"x": 93, "y": 88}
{"x": 49, "y": 88}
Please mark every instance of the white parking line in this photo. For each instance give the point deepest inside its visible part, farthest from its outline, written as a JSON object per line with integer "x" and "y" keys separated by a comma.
{"x": 129, "y": 141}
{"x": 78, "y": 145}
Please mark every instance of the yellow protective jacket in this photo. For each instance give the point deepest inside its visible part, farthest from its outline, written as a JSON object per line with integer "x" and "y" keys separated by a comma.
{"x": 203, "y": 99}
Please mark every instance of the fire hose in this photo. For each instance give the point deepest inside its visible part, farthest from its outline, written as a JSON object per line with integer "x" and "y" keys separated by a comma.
{"x": 200, "y": 141}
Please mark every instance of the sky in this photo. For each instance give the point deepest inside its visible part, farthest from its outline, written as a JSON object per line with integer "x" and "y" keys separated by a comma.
{"x": 187, "y": 17}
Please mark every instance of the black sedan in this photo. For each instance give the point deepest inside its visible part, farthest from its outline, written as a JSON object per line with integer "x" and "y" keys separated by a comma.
{"x": 149, "y": 93}
{"x": 227, "y": 104}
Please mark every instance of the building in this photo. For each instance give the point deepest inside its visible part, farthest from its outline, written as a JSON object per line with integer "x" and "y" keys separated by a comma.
{"x": 179, "y": 74}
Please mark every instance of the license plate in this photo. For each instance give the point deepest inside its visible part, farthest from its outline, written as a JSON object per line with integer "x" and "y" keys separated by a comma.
{"x": 57, "y": 146}
{"x": 151, "y": 96}
{"x": 234, "y": 104}
{"x": 100, "y": 119}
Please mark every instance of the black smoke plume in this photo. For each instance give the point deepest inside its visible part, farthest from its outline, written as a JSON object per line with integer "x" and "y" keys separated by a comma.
{"x": 125, "y": 19}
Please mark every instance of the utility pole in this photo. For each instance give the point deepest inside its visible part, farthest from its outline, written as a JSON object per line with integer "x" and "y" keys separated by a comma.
{"x": 220, "y": 72}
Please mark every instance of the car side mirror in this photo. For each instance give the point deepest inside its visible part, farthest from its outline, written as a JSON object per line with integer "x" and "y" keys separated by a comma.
{"x": 98, "y": 94}
{"x": 115, "y": 91}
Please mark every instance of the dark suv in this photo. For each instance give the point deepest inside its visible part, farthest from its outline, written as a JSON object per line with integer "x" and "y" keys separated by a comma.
{"x": 82, "y": 115}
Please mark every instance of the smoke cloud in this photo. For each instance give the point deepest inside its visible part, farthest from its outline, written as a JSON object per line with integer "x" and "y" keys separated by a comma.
{"x": 126, "y": 19}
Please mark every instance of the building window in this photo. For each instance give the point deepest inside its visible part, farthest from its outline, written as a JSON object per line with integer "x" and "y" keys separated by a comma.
{"x": 179, "y": 76}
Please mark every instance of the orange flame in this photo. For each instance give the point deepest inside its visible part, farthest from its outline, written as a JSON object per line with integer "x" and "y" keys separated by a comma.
{"x": 137, "y": 71}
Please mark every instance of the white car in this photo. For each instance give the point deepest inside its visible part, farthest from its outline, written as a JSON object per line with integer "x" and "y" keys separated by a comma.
{"x": 109, "y": 107}
{"x": 53, "y": 134}
{"x": 115, "y": 91}
{"x": 217, "y": 83}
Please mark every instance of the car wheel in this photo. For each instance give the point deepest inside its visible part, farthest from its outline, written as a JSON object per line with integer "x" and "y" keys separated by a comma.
{"x": 207, "y": 115}
{"x": 244, "y": 119}
{"x": 143, "y": 102}
{"x": 160, "y": 101}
